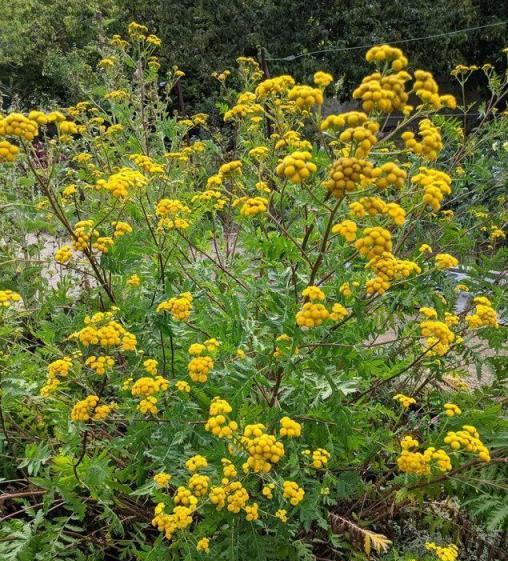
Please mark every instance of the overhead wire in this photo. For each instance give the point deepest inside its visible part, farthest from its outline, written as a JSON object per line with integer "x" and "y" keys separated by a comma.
{"x": 290, "y": 58}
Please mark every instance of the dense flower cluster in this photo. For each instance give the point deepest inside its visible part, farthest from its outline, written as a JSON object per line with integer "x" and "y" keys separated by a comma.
{"x": 8, "y": 297}
{"x": 319, "y": 457}
{"x": 100, "y": 329}
{"x": 121, "y": 184}
{"x": 293, "y": 492}
{"x": 296, "y": 167}
{"x": 430, "y": 144}
{"x": 443, "y": 553}
{"x": 436, "y": 185}
{"x": 179, "y": 306}
{"x": 438, "y": 337}
{"x": 484, "y": 314}
{"x": 100, "y": 364}
{"x": 421, "y": 463}
{"x": 347, "y": 229}
{"x": 468, "y": 440}
{"x": 404, "y": 400}
{"x": 446, "y": 261}
{"x": 305, "y": 97}
{"x": 374, "y": 242}
{"x": 346, "y": 175}
{"x": 264, "y": 449}
{"x": 290, "y": 428}
{"x": 217, "y": 422}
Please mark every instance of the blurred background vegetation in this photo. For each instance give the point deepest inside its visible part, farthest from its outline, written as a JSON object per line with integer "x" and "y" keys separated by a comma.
{"x": 49, "y": 48}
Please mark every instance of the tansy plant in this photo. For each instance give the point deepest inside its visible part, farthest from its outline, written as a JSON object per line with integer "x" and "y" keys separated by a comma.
{"x": 242, "y": 339}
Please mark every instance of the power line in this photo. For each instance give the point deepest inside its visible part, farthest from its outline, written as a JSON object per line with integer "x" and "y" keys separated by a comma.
{"x": 290, "y": 58}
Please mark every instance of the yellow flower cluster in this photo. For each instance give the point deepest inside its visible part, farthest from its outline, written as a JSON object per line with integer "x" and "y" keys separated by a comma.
{"x": 16, "y": 124}
{"x": 313, "y": 293}
{"x": 349, "y": 119}
{"x": 322, "y": 79}
{"x": 388, "y": 174}
{"x": 430, "y": 144}
{"x": 199, "y": 367}
{"x": 195, "y": 463}
{"x": 63, "y": 254}
{"x": 162, "y": 479}
{"x": 427, "y": 90}
{"x": 8, "y": 297}
{"x": 230, "y": 168}
{"x": 146, "y": 386}
{"x": 429, "y": 313}
{"x": 119, "y": 184}
{"x": 438, "y": 337}
{"x": 198, "y": 486}
{"x": 237, "y": 497}
{"x": 121, "y": 228}
{"x": 450, "y": 409}
{"x": 396, "y": 213}
{"x": 59, "y": 367}
{"x": 383, "y": 93}
{"x": 150, "y": 365}
{"x": 290, "y": 139}
{"x": 134, "y": 280}
{"x": 83, "y": 232}
{"x": 101, "y": 330}
{"x": 404, "y": 400}
{"x": 211, "y": 195}
{"x": 267, "y": 491}
{"x": 182, "y": 386}
{"x": 203, "y": 544}
{"x": 338, "y": 313}
{"x": 171, "y": 207}
{"x": 420, "y": 463}
{"x": 319, "y": 457}
{"x": 279, "y": 85}
{"x": 282, "y": 515}
{"x": 8, "y": 151}
{"x": 469, "y": 440}
{"x": 245, "y": 106}
{"x": 444, "y": 553}
{"x": 387, "y": 54}
{"x": 179, "y": 306}
{"x": 264, "y": 449}
{"x": 368, "y": 206}
{"x": 388, "y": 268}
{"x": 101, "y": 412}
{"x": 296, "y": 167}
{"x": 99, "y": 364}
{"x": 147, "y": 164}
{"x": 290, "y": 428}
{"x": 436, "y": 184}
{"x": 293, "y": 492}
{"x": 103, "y": 244}
{"x": 445, "y": 261}
{"x": 484, "y": 314}
{"x": 83, "y": 410}
{"x": 251, "y": 512}
{"x": 179, "y": 519}
{"x": 347, "y": 229}
{"x": 346, "y": 174}
{"x": 311, "y": 315}
{"x": 217, "y": 422}
{"x": 374, "y": 242}
{"x": 253, "y": 206}
{"x": 148, "y": 405}
{"x": 362, "y": 138}
{"x": 305, "y": 97}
